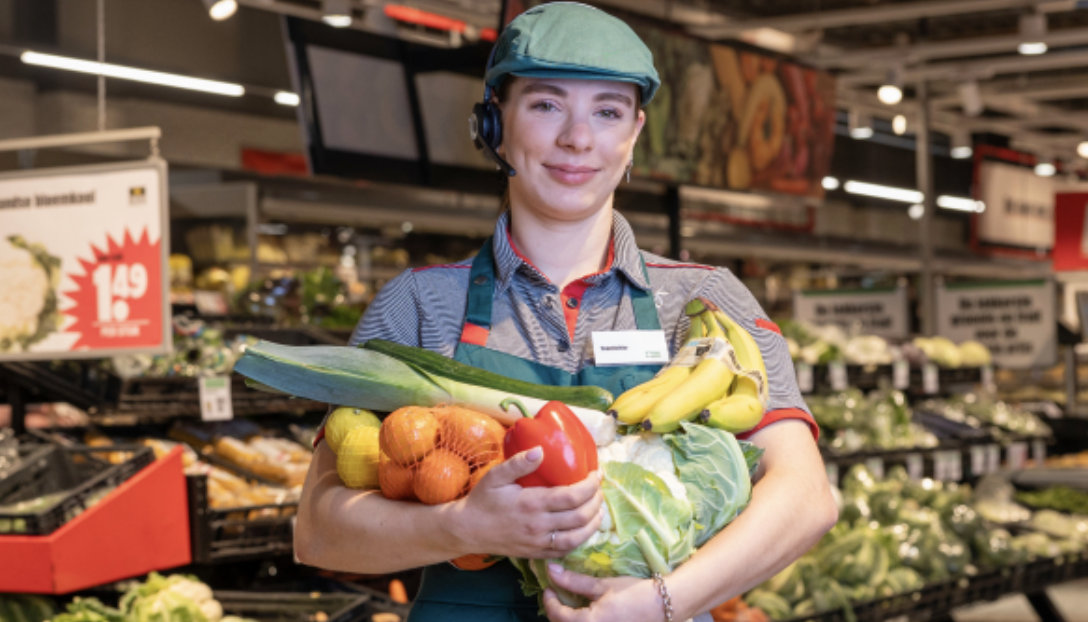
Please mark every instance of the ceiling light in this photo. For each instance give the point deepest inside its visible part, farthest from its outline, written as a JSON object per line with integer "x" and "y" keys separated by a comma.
{"x": 220, "y": 10}
{"x": 960, "y": 203}
{"x": 883, "y": 192}
{"x": 830, "y": 183}
{"x": 1045, "y": 168}
{"x": 916, "y": 211}
{"x": 1082, "y": 149}
{"x": 337, "y": 13}
{"x": 971, "y": 98}
{"x": 1032, "y": 33}
{"x": 287, "y": 99}
{"x": 860, "y": 125}
{"x": 129, "y": 73}
{"x": 961, "y": 145}
{"x": 899, "y": 125}
{"x": 892, "y": 91}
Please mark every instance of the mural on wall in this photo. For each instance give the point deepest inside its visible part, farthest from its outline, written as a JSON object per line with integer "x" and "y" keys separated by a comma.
{"x": 734, "y": 118}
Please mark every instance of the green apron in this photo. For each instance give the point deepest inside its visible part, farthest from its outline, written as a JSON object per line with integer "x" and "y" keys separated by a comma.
{"x": 494, "y": 595}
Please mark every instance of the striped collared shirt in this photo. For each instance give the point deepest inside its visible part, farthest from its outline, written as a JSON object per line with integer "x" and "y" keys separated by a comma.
{"x": 534, "y": 319}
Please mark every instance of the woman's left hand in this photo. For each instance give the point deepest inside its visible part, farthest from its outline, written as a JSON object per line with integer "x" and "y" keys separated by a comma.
{"x": 621, "y": 598}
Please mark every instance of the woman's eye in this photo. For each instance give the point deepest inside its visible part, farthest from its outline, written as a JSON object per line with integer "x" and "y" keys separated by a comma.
{"x": 545, "y": 106}
{"x": 611, "y": 113}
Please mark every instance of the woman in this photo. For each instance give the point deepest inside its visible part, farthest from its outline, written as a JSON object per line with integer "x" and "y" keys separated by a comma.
{"x": 562, "y": 264}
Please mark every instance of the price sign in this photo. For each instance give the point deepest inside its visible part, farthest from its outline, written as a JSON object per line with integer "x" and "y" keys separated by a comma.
{"x": 215, "y": 401}
{"x": 988, "y": 384}
{"x": 832, "y": 473}
{"x": 993, "y": 458}
{"x": 1017, "y": 455}
{"x": 804, "y": 377}
{"x": 901, "y": 375}
{"x": 876, "y": 467}
{"x": 948, "y": 466}
{"x": 837, "y": 371}
{"x": 978, "y": 460}
{"x": 1038, "y": 452}
{"x": 915, "y": 466}
{"x": 931, "y": 383}
{"x": 85, "y": 248}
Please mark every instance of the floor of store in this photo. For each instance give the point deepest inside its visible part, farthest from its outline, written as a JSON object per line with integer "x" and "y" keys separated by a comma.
{"x": 1071, "y": 598}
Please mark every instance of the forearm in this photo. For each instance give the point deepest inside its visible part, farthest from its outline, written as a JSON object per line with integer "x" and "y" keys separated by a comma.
{"x": 791, "y": 509}
{"x": 362, "y": 531}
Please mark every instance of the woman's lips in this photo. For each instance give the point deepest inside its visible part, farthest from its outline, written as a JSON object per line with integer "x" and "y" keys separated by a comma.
{"x": 571, "y": 175}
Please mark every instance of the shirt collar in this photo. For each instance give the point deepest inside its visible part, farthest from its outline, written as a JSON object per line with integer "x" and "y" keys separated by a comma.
{"x": 624, "y": 256}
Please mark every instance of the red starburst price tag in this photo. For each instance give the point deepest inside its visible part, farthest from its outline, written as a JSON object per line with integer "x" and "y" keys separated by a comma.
{"x": 118, "y": 301}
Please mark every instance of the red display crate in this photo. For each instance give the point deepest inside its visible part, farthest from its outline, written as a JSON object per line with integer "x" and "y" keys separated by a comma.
{"x": 141, "y": 526}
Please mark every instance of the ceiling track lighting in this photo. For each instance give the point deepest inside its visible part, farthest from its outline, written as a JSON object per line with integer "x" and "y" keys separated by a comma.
{"x": 1045, "y": 167}
{"x": 899, "y": 125}
{"x": 1033, "y": 29}
{"x": 971, "y": 98}
{"x": 961, "y": 145}
{"x": 1082, "y": 150}
{"x": 337, "y": 13}
{"x": 131, "y": 73}
{"x": 220, "y": 10}
{"x": 891, "y": 93}
{"x": 860, "y": 124}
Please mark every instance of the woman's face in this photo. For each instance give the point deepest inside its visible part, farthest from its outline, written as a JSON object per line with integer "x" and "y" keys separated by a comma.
{"x": 569, "y": 141}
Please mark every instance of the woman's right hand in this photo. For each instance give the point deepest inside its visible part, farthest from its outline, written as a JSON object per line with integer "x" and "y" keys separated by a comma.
{"x": 499, "y": 517}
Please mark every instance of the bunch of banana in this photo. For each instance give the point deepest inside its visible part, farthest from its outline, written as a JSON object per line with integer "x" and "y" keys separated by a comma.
{"x": 725, "y": 391}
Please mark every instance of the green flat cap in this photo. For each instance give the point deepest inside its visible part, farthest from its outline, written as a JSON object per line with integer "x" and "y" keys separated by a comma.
{"x": 571, "y": 40}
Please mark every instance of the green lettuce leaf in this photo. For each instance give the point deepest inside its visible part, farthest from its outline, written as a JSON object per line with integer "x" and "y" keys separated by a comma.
{"x": 716, "y": 473}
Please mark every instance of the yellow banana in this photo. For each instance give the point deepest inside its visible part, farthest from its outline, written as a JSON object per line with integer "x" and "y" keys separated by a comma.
{"x": 707, "y": 383}
{"x": 743, "y": 408}
{"x": 632, "y": 406}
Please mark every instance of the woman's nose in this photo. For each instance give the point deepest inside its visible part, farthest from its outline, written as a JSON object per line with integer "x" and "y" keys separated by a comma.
{"x": 576, "y": 136}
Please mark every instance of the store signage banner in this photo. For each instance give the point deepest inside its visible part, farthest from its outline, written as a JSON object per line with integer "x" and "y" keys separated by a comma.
{"x": 1019, "y": 206}
{"x": 1070, "y": 231}
{"x": 1015, "y": 319}
{"x": 873, "y": 312}
{"x": 83, "y": 258}
{"x": 731, "y": 117}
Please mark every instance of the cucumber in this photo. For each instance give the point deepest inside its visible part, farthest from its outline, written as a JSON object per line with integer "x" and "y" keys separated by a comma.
{"x": 594, "y": 398}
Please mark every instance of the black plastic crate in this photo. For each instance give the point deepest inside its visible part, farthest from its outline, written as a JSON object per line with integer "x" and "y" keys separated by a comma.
{"x": 222, "y": 535}
{"x": 296, "y": 607}
{"x": 77, "y": 476}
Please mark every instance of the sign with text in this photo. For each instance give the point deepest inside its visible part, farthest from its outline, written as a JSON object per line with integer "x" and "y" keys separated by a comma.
{"x": 881, "y": 312}
{"x": 1015, "y": 319}
{"x": 1019, "y": 206}
{"x": 83, "y": 257}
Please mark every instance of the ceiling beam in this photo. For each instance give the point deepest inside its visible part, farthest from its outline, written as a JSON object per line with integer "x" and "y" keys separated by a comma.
{"x": 921, "y": 52}
{"x": 861, "y": 16}
{"x": 973, "y": 70}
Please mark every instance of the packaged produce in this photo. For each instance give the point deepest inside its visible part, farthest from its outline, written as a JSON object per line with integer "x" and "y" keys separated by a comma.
{"x": 851, "y": 421}
{"x": 977, "y": 409}
{"x": 1061, "y": 498}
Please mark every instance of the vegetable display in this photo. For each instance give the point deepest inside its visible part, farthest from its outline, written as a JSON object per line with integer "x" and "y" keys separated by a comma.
{"x": 1061, "y": 498}
{"x": 852, "y": 421}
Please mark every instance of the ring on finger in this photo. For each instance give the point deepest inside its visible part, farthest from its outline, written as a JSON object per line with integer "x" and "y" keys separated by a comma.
{"x": 552, "y": 545}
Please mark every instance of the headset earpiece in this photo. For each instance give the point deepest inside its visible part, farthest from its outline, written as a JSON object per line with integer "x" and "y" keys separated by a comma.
{"x": 485, "y": 127}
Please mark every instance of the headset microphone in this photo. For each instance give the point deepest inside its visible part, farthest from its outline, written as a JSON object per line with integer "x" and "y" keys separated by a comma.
{"x": 485, "y": 125}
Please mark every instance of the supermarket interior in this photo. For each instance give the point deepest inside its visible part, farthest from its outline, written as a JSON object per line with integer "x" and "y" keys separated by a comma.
{"x": 200, "y": 200}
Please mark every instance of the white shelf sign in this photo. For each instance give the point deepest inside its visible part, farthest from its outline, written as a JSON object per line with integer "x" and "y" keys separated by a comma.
{"x": 837, "y": 371}
{"x": 881, "y": 312}
{"x": 832, "y": 473}
{"x": 804, "y": 378}
{"x": 901, "y": 375}
{"x": 948, "y": 466}
{"x": 876, "y": 467}
{"x": 931, "y": 379}
{"x": 1017, "y": 455}
{"x": 916, "y": 466}
{"x": 215, "y": 399}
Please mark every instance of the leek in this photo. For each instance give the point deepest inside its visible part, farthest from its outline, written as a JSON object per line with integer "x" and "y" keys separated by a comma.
{"x": 363, "y": 378}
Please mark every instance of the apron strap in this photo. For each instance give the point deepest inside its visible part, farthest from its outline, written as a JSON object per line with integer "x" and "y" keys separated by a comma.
{"x": 481, "y": 287}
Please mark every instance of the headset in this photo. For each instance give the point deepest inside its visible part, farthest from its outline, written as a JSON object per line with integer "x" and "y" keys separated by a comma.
{"x": 485, "y": 125}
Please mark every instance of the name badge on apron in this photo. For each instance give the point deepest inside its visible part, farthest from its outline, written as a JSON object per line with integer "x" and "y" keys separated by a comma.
{"x": 630, "y": 347}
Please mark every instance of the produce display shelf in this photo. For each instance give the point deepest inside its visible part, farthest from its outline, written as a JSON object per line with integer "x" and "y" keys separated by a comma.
{"x": 870, "y": 377}
{"x": 358, "y": 605}
{"x": 972, "y": 456}
{"x": 936, "y": 601}
{"x": 140, "y": 526}
{"x": 237, "y": 534}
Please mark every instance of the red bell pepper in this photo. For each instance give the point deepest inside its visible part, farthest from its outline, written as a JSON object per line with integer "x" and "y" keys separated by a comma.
{"x": 569, "y": 451}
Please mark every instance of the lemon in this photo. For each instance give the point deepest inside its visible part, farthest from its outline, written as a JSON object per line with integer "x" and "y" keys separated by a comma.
{"x": 357, "y": 460}
{"x": 345, "y": 419}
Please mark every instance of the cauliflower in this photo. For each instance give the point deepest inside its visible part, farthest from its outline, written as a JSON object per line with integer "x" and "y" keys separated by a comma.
{"x": 27, "y": 297}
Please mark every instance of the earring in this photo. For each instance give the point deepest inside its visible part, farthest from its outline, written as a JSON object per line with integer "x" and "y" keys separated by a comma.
{"x": 629, "y": 166}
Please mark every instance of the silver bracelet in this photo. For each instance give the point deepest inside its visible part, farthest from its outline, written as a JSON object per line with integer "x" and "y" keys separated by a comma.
{"x": 666, "y": 602}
